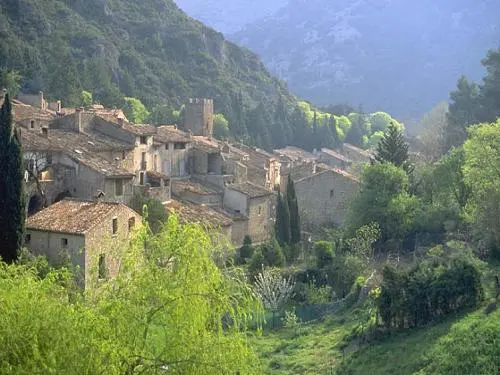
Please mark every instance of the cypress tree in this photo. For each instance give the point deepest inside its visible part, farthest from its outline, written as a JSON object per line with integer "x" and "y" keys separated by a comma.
{"x": 12, "y": 197}
{"x": 282, "y": 226}
{"x": 293, "y": 206}
{"x": 393, "y": 148}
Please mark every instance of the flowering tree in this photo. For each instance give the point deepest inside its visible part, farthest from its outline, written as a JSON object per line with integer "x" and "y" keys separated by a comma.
{"x": 273, "y": 289}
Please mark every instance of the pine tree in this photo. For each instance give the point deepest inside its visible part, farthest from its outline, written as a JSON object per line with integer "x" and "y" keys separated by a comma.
{"x": 293, "y": 206}
{"x": 393, "y": 148}
{"x": 282, "y": 226}
{"x": 12, "y": 197}
{"x": 332, "y": 123}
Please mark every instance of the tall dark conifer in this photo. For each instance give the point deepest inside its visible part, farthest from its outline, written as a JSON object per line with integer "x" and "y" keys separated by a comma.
{"x": 12, "y": 197}
{"x": 282, "y": 226}
{"x": 393, "y": 148}
{"x": 293, "y": 206}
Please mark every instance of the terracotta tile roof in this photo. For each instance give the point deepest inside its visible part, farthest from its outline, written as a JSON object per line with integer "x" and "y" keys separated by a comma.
{"x": 79, "y": 147}
{"x": 71, "y": 216}
{"x": 327, "y": 169}
{"x": 23, "y": 111}
{"x": 170, "y": 133}
{"x": 136, "y": 129}
{"x": 357, "y": 150}
{"x": 293, "y": 153}
{"x": 256, "y": 161}
{"x": 192, "y": 186}
{"x": 198, "y": 213}
{"x": 251, "y": 190}
{"x": 300, "y": 171}
{"x": 205, "y": 144}
{"x": 335, "y": 154}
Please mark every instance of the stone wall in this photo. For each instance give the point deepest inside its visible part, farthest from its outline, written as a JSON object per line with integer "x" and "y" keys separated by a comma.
{"x": 173, "y": 162}
{"x": 199, "y": 117}
{"x": 324, "y": 199}
{"x": 101, "y": 240}
{"x": 259, "y": 215}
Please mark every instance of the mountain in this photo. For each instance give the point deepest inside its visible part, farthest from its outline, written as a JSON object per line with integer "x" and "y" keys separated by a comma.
{"x": 400, "y": 56}
{"x": 229, "y": 16}
{"x": 146, "y": 49}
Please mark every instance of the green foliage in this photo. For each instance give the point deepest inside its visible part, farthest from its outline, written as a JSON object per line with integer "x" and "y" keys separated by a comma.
{"x": 324, "y": 254}
{"x": 468, "y": 348}
{"x": 245, "y": 253}
{"x": 221, "y": 126}
{"x": 360, "y": 128}
{"x": 428, "y": 291}
{"x": 380, "y": 121}
{"x": 282, "y": 224}
{"x": 156, "y": 213}
{"x": 293, "y": 206}
{"x": 86, "y": 99}
{"x": 10, "y": 80}
{"x": 393, "y": 148}
{"x": 12, "y": 194}
{"x": 481, "y": 175}
{"x": 135, "y": 111}
{"x": 383, "y": 198}
{"x": 139, "y": 322}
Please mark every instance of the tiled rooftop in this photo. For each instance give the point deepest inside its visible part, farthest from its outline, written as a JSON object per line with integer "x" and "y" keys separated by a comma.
{"x": 358, "y": 150}
{"x": 335, "y": 154}
{"x": 251, "y": 190}
{"x": 196, "y": 213}
{"x": 192, "y": 186}
{"x": 71, "y": 216}
{"x": 77, "y": 146}
{"x": 170, "y": 133}
{"x": 23, "y": 111}
{"x": 295, "y": 154}
{"x": 205, "y": 144}
{"x": 300, "y": 171}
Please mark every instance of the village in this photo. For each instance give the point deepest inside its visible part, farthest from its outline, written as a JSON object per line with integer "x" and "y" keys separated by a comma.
{"x": 85, "y": 165}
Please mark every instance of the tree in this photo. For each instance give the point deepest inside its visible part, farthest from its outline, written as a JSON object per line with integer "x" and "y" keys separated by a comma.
{"x": 12, "y": 195}
{"x": 221, "y": 126}
{"x": 381, "y": 121}
{"x": 135, "y": 111}
{"x": 86, "y": 99}
{"x": 142, "y": 321}
{"x": 360, "y": 128}
{"x": 393, "y": 148}
{"x": 482, "y": 174}
{"x": 64, "y": 82}
{"x": 282, "y": 225}
{"x": 324, "y": 254}
{"x": 489, "y": 91}
{"x": 433, "y": 126}
{"x": 11, "y": 81}
{"x": 156, "y": 213}
{"x": 293, "y": 206}
{"x": 384, "y": 199}
{"x": 273, "y": 289}
{"x": 463, "y": 111}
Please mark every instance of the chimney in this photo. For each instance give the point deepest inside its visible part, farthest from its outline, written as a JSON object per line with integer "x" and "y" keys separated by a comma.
{"x": 314, "y": 167}
{"x": 45, "y": 132}
{"x": 78, "y": 120}
{"x": 42, "y": 100}
{"x": 99, "y": 196}
{"x": 59, "y": 106}
{"x": 2, "y": 93}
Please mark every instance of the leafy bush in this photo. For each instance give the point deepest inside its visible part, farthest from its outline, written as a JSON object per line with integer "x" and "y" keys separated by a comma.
{"x": 324, "y": 254}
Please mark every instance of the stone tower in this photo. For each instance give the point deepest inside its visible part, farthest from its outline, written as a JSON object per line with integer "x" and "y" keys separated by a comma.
{"x": 199, "y": 117}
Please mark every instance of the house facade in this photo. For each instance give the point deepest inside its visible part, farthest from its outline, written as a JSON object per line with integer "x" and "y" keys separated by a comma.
{"x": 90, "y": 234}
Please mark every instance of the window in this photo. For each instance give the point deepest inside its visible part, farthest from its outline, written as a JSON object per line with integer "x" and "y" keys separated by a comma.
{"x": 331, "y": 193}
{"x": 143, "y": 161}
{"x": 155, "y": 160}
{"x": 143, "y": 140}
{"x": 115, "y": 225}
{"x": 141, "y": 178}
{"x": 27, "y": 239}
{"x": 166, "y": 146}
{"x": 103, "y": 270}
{"x": 260, "y": 210}
{"x": 32, "y": 124}
{"x": 64, "y": 243}
{"x": 131, "y": 223}
{"x": 49, "y": 159}
{"x": 118, "y": 188}
{"x": 179, "y": 146}
{"x": 123, "y": 155}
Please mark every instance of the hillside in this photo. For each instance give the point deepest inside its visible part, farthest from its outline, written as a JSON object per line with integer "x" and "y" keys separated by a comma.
{"x": 402, "y": 57}
{"x": 229, "y": 16}
{"x": 147, "y": 49}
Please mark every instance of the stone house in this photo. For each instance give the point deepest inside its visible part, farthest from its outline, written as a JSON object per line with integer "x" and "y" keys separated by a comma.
{"x": 255, "y": 203}
{"x": 90, "y": 234}
{"x": 173, "y": 150}
{"x": 356, "y": 154}
{"x": 334, "y": 159}
{"x": 324, "y": 197}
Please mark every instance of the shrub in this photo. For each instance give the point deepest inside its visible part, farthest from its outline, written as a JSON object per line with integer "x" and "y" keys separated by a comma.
{"x": 324, "y": 254}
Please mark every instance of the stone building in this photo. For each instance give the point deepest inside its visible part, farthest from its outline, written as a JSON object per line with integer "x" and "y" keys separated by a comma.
{"x": 356, "y": 154}
{"x": 324, "y": 197}
{"x": 91, "y": 234}
{"x": 255, "y": 203}
{"x": 334, "y": 159}
{"x": 199, "y": 117}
